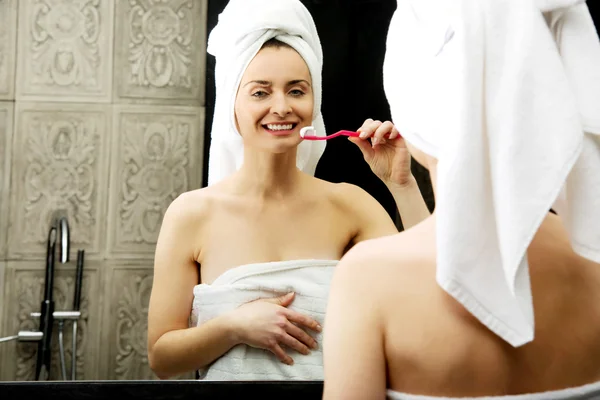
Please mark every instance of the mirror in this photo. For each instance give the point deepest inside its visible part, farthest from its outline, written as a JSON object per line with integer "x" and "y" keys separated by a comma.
{"x": 105, "y": 116}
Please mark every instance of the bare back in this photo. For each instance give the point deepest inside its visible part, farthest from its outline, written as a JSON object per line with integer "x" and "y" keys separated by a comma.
{"x": 434, "y": 347}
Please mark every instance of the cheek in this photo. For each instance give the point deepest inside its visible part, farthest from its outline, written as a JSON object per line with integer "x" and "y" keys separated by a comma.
{"x": 247, "y": 114}
{"x": 242, "y": 112}
{"x": 236, "y": 117}
{"x": 306, "y": 108}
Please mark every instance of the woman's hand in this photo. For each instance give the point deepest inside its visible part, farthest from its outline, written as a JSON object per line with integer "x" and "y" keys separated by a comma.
{"x": 387, "y": 156}
{"x": 268, "y": 324}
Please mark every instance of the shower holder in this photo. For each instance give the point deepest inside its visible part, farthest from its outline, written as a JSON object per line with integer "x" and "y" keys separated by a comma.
{"x": 36, "y": 336}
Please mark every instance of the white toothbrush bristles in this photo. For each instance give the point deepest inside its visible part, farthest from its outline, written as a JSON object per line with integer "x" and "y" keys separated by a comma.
{"x": 307, "y": 130}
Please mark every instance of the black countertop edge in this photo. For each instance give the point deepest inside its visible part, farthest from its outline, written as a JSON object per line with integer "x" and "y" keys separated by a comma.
{"x": 180, "y": 389}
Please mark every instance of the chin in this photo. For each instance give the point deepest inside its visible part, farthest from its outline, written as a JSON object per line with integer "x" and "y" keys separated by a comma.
{"x": 285, "y": 142}
{"x": 282, "y": 147}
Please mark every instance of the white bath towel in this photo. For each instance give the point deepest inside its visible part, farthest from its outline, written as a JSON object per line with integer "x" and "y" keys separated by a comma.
{"x": 309, "y": 279}
{"x": 506, "y": 96}
{"x": 243, "y": 27}
{"x": 585, "y": 392}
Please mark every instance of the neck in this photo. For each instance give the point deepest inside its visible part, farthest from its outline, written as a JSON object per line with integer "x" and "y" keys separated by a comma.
{"x": 268, "y": 175}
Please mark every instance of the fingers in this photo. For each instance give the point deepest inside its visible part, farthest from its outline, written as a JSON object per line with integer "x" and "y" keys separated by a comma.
{"x": 294, "y": 338}
{"x": 368, "y": 128}
{"x": 394, "y": 134}
{"x": 381, "y": 131}
{"x": 303, "y": 320}
{"x": 283, "y": 301}
{"x": 301, "y": 335}
{"x": 294, "y": 344}
{"x": 378, "y": 131}
{"x": 364, "y": 146}
{"x": 281, "y": 354}
{"x": 286, "y": 299}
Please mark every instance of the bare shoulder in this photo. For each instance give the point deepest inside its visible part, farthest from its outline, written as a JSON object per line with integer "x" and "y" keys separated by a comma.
{"x": 402, "y": 253}
{"x": 379, "y": 266}
{"x": 347, "y": 197}
{"x": 394, "y": 275}
{"x": 190, "y": 208}
{"x": 188, "y": 204}
{"x": 377, "y": 253}
{"x": 369, "y": 215}
{"x": 348, "y": 194}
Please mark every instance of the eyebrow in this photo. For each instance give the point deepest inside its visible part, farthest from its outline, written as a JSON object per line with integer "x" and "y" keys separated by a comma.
{"x": 269, "y": 83}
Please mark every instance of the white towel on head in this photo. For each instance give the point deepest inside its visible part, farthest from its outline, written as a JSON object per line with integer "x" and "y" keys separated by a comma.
{"x": 506, "y": 96}
{"x": 243, "y": 27}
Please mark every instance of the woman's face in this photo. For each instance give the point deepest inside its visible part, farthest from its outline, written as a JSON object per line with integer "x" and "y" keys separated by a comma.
{"x": 274, "y": 100}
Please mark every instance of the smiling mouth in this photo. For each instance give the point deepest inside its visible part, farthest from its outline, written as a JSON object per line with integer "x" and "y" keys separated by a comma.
{"x": 280, "y": 129}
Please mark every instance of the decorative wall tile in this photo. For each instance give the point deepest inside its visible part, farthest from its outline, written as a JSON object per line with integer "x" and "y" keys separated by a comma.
{"x": 56, "y": 142}
{"x": 8, "y": 40}
{"x": 6, "y": 133}
{"x": 2, "y": 299}
{"x": 156, "y": 155}
{"x": 59, "y": 164}
{"x": 65, "y": 50}
{"x": 25, "y": 295}
{"x": 3, "y": 305}
{"x": 127, "y": 322}
{"x": 161, "y": 51}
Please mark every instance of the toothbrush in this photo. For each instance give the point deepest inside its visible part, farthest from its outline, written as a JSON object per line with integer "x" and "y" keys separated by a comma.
{"x": 308, "y": 133}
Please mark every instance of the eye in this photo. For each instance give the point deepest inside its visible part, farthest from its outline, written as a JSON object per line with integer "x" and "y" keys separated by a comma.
{"x": 259, "y": 94}
{"x": 297, "y": 92}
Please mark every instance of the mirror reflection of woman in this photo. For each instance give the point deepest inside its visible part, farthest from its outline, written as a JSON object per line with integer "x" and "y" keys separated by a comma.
{"x": 268, "y": 212}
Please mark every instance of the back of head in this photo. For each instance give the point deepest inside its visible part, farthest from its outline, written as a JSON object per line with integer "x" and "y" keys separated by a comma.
{"x": 506, "y": 96}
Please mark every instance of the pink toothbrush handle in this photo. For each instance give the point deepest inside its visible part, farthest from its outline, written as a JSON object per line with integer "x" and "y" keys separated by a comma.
{"x": 354, "y": 134}
{"x": 334, "y": 135}
{"x": 347, "y": 133}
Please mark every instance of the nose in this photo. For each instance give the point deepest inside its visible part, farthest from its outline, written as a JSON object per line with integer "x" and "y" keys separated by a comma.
{"x": 281, "y": 106}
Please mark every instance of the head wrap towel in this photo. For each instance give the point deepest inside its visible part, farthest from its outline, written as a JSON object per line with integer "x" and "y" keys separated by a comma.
{"x": 506, "y": 96}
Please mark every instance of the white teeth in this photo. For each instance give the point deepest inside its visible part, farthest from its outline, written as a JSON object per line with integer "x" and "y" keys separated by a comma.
{"x": 273, "y": 127}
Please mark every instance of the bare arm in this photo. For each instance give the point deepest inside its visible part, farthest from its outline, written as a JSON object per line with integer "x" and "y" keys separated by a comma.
{"x": 409, "y": 200}
{"x": 353, "y": 345}
{"x": 388, "y": 157}
{"x": 173, "y": 347}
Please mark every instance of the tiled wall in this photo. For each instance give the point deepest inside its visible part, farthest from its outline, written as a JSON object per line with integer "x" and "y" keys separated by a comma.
{"x": 101, "y": 118}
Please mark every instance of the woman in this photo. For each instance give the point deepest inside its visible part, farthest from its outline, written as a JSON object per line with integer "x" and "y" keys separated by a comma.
{"x": 267, "y": 228}
{"x": 491, "y": 295}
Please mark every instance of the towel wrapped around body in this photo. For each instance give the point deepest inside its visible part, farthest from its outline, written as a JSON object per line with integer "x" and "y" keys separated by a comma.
{"x": 584, "y": 392}
{"x": 309, "y": 279}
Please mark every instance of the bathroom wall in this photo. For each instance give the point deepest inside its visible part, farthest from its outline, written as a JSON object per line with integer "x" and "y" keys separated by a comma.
{"x": 101, "y": 118}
